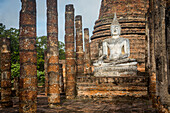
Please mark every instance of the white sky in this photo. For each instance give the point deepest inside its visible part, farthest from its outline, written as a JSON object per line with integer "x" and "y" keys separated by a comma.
{"x": 89, "y": 9}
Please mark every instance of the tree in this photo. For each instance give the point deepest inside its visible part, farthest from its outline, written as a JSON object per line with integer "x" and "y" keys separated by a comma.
{"x": 61, "y": 51}
{"x": 41, "y": 43}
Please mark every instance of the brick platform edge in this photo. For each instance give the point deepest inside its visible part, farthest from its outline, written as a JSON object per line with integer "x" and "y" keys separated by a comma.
{"x": 110, "y": 87}
{"x": 157, "y": 104}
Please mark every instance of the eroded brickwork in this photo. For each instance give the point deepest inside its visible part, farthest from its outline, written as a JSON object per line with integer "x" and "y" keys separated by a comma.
{"x": 6, "y": 97}
{"x": 61, "y": 80}
{"x": 70, "y": 57}
{"x": 109, "y": 87}
{"x": 16, "y": 86}
{"x": 131, "y": 15}
{"x": 79, "y": 46}
{"x": 53, "y": 54}
{"x": 28, "y": 58}
{"x": 87, "y": 57}
{"x": 157, "y": 55}
{"x": 46, "y": 73}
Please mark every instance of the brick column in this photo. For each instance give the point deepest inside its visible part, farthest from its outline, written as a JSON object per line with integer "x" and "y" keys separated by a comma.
{"x": 61, "y": 81}
{"x": 53, "y": 53}
{"x": 79, "y": 46}
{"x": 6, "y": 99}
{"x": 16, "y": 86}
{"x": 46, "y": 74}
{"x": 87, "y": 52}
{"x": 28, "y": 57}
{"x": 69, "y": 48}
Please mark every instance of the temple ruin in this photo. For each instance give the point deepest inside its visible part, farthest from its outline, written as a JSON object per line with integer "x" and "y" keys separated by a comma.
{"x": 145, "y": 33}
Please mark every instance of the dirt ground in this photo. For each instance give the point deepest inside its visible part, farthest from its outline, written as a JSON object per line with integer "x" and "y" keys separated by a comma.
{"x": 117, "y": 105}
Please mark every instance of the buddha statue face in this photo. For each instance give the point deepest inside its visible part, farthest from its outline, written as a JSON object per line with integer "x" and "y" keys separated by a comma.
{"x": 115, "y": 27}
{"x": 115, "y": 30}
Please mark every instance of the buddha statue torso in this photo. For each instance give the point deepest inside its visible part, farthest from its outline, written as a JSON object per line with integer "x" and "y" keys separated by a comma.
{"x": 115, "y": 49}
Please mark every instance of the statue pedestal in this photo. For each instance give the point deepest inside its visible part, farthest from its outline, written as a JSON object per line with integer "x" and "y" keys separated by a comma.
{"x": 111, "y": 71}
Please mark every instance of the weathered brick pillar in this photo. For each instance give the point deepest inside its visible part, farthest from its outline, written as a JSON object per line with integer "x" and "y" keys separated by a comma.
{"x": 87, "y": 52}
{"x": 28, "y": 58}
{"x": 16, "y": 86}
{"x": 152, "y": 67}
{"x": 53, "y": 54}
{"x": 46, "y": 74}
{"x": 61, "y": 81}
{"x": 64, "y": 75}
{"x": 6, "y": 99}
{"x": 69, "y": 48}
{"x": 79, "y": 46}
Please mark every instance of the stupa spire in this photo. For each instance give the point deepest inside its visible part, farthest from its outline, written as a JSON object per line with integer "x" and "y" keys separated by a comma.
{"x": 115, "y": 21}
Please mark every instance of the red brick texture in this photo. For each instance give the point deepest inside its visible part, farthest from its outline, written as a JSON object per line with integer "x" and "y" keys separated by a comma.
{"x": 131, "y": 16}
{"x": 46, "y": 73}
{"x": 158, "y": 54}
{"x": 79, "y": 46}
{"x": 28, "y": 57}
{"x": 109, "y": 87}
{"x": 53, "y": 54}
{"x": 87, "y": 57}
{"x": 70, "y": 57}
{"x": 6, "y": 99}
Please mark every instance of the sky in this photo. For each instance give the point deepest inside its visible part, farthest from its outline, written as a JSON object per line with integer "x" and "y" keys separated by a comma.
{"x": 89, "y": 9}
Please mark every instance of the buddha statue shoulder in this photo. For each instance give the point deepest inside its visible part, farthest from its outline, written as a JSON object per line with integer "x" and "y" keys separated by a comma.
{"x": 115, "y": 50}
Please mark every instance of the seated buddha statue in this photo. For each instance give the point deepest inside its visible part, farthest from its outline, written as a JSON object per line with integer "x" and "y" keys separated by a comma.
{"x": 115, "y": 50}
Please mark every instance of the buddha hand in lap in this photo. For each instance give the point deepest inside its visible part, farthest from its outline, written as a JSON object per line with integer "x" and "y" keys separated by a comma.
{"x": 115, "y": 50}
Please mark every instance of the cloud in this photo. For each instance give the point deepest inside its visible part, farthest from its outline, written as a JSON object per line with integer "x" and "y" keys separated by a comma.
{"x": 89, "y": 9}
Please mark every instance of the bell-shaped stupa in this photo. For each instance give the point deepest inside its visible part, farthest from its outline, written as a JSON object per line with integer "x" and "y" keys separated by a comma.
{"x": 131, "y": 16}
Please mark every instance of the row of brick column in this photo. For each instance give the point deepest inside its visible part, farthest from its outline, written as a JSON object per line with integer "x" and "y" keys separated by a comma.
{"x": 75, "y": 64}
{"x": 28, "y": 57}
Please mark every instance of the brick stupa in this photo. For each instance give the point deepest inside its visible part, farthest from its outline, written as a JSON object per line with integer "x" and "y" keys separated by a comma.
{"x": 131, "y": 16}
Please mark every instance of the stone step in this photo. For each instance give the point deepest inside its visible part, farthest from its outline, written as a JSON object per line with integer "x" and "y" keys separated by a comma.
{"x": 112, "y": 88}
{"x": 134, "y": 80}
{"x": 110, "y": 94}
{"x": 108, "y": 87}
{"x": 113, "y": 84}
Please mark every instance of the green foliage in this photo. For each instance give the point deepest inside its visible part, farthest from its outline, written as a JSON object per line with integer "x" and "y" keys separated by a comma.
{"x": 15, "y": 70}
{"x": 13, "y": 34}
{"x": 14, "y": 37}
{"x": 61, "y": 50}
{"x": 40, "y": 76}
{"x": 2, "y": 30}
{"x": 41, "y": 43}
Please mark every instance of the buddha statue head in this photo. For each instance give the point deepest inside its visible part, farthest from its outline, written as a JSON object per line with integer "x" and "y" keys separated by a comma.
{"x": 115, "y": 27}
